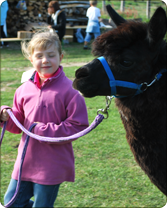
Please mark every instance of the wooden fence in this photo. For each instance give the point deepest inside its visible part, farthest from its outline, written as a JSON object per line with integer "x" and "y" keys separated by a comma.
{"x": 124, "y": 4}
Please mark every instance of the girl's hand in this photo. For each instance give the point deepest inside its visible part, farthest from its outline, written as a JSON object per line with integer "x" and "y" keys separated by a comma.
{"x": 4, "y": 116}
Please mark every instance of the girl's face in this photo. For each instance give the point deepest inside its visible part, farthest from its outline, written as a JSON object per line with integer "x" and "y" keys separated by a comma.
{"x": 46, "y": 62}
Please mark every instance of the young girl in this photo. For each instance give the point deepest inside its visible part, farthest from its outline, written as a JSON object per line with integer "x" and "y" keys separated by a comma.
{"x": 49, "y": 100}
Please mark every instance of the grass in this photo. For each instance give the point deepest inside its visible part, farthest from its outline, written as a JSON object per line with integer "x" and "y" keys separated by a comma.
{"x": 106, "y": 172}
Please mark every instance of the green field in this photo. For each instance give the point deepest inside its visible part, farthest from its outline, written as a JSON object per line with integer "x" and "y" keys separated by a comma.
{"x": 106, "y": 172}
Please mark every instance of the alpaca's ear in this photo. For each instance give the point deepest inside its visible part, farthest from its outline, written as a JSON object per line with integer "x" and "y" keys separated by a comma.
{"x": 157, "y": 27}
{"x": 117, "y": 19}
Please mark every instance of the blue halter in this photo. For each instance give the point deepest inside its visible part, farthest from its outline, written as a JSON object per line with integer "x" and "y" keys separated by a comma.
{"x": 113, "y": 83}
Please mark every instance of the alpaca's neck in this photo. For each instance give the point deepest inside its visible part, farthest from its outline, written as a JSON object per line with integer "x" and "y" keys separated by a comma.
{"x": 141, "y": 118}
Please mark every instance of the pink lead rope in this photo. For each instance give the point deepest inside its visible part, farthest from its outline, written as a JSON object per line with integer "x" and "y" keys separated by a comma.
{"x": 29, "y": 134}
{"x": 93, "y": 125}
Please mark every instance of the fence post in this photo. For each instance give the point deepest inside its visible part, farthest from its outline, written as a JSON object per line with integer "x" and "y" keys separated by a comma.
{"x": 122, "y": 7}
{"x": 148, "y": 6}
{"x": 103, "y": 6}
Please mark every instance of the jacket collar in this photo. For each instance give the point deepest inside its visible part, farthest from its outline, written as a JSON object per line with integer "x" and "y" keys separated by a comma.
{"x": 53, "y": 77}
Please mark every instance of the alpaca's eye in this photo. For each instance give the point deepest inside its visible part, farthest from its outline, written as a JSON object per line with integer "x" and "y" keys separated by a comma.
{"x": 126, "y": 63}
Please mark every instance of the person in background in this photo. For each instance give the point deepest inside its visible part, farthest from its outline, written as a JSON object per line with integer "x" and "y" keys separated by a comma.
{"x": 56, "y": 19}
{"x": 4, "y": 10}
{"x": 49, "y": 100}
{"x": 93, "y": 27}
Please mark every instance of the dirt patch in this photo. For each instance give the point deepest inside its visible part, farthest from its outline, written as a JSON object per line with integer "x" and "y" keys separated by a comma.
{"x": 73, "y": 64}
{"x": 29, "y": 68}
{"x": 17, "y": 69}
{"x": 63, "y": 64}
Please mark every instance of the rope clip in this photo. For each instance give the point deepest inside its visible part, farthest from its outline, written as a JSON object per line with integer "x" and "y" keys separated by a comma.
{"x": 105, "y": 110}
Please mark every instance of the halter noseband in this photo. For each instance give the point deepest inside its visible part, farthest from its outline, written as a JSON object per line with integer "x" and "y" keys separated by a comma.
{"x": 118, "y": 83}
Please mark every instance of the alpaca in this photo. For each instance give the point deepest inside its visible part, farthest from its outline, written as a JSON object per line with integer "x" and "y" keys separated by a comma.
{"x": 135, "y": 52}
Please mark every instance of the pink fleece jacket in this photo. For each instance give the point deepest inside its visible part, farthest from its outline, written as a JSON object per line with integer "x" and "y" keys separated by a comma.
{"x": 60, "y": 111}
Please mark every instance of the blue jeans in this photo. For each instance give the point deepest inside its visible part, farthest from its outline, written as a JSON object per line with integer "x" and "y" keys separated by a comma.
{"x": 45, "y": 195}
{"x": 89, "y": 36}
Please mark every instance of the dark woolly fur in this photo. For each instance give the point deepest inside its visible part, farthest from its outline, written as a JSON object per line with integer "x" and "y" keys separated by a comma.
{"x": 123, "y": 37}
{"x": 144, "y": 115}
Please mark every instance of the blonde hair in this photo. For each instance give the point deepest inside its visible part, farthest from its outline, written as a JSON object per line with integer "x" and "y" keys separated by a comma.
{"x": 41, "y": 41}
{"x": 94, "y": 3}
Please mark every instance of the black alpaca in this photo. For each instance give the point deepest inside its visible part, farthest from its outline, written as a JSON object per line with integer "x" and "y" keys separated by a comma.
{"x": 135, "y": 52}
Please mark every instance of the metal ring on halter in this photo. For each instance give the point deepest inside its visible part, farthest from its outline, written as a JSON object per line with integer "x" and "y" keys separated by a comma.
{"x": 144, "y": 86}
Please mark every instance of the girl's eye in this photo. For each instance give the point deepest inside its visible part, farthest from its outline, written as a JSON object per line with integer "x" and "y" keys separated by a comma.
{"x": 52, "y": 55}
{"x": 39, "y": 56}
{"x": 126, "y": 63}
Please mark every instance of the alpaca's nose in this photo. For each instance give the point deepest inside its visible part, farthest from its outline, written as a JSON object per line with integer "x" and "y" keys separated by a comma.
{"x": 81, "y": 72}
